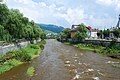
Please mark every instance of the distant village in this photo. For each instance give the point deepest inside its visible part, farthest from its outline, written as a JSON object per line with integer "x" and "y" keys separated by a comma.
{"x": 96, "y": 34}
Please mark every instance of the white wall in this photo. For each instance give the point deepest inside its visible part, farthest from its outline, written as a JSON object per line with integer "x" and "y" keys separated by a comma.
{"x": 94, "y": 35}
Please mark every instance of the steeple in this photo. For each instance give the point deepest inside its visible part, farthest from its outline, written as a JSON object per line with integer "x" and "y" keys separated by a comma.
{"x": 118, "y": 24}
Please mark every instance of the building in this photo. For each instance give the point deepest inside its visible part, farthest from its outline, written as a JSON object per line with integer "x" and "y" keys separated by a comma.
{"x": 73, "y": 30}
{"x": 94, "y": 33}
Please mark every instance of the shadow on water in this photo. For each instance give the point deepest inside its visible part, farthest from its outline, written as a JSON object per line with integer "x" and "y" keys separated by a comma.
{"x": 62, "y": 62}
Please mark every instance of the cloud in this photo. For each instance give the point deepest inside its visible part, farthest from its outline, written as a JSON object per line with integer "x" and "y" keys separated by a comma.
{"x": 73, "y": 16}
{"x": 115, "y": 3}
{"x": 41, "y": 12}
{"x": 105, "y": 21}
{"x": 66, "y": 14}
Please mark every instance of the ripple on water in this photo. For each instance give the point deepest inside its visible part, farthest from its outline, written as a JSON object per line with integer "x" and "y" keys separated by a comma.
{"x": 70, "y": 66}
{"x": 78, "y": 77}
{"x": 73, "y": 71}
{"x": 67, "y": 62}
{"x": 88, "y": 72}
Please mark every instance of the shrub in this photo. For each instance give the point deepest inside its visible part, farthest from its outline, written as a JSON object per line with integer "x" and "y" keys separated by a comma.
{"x": 34, "y": 46}
{"x": 20, "y": 55}
{"x": 30, "y": 71}
{"x": 2, "y": 60}
{"x": 42, "y": 46}
{"x": 8, "y": 65}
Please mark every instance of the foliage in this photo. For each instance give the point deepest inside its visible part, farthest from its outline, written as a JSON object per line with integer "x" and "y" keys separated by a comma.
{"x": 30, "y": 71}
{"x": 111, "y": 50}
{"x": 115, "y": 66}
{"x": 106, "y": 33}
{"x": 43, "y": 36}
{"x": 8, "y": 65}
{"x": 65, "y": 34}
{"x": 13, "y": 26}
{"x": 19, "y": 55}
{"x": 116, "y": 32}
{"x": 81, "y": 33}
{"x": 41, "y": 44}
{"x": 16, "y": 57}
{"x": 34, "y": 46}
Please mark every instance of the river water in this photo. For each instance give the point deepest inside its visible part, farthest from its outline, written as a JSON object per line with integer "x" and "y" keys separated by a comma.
{"x": 63, "y": 62}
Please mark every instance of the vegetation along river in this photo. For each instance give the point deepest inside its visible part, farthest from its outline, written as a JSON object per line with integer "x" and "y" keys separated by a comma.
{"x": 63, "y": 62}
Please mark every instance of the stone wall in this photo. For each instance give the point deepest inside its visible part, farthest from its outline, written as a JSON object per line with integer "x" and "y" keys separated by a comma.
{"x": 103, "y": 42}
{"x": 5, "y": 48}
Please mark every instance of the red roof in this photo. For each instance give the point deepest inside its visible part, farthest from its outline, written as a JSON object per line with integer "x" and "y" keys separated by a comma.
{"x": 90, "y": 28}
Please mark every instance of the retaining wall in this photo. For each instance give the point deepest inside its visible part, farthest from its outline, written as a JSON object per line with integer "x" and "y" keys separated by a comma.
{"x": 5, "y": 48}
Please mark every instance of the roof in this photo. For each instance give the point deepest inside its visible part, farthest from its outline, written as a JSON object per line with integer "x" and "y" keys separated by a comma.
{"x": 89, "y": 27}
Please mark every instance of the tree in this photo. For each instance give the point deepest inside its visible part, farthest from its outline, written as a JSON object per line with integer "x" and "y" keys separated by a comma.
{"x": 1, "y": 32}
{"x": 100, "y": 33}
{"x": 66, "y": 33}
{"x": 81, "y": 33}
{"x": 4, "y": 11}
{"x": 43, "y": 36}
{"x": 106, "y": 33}
{"x": 116, "y": 32}
{"x": 14, "y": 26}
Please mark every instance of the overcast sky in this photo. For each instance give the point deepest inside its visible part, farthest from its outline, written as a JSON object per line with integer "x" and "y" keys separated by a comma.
{"x": 96, "y": 13}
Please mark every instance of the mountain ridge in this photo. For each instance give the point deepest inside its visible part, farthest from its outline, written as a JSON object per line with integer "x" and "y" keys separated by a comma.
{"x": 51, "y": 27}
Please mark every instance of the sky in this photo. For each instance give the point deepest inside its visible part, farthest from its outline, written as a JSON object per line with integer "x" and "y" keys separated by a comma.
{"x": 98, "y": 14}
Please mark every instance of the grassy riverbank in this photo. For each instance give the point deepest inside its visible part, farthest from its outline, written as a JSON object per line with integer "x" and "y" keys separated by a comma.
{"x": 17, "y": 57}
{"x": 111, "y": 51}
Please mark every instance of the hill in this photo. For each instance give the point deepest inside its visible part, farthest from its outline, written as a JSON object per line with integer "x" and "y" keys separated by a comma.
{"x": 50, "y": 32}
{"x": 50, "y": 27}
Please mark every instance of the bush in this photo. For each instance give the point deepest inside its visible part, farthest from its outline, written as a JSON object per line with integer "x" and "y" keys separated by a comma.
{"x": 41, "y": 42}
{"x": 2, "y": 60}
{"x": 30, "y": 71}
{"x": 20, "y": 55}
{"x": 8, "y": 65}
{"x": 34, "y": 46}
{"x": 42, "y": 46}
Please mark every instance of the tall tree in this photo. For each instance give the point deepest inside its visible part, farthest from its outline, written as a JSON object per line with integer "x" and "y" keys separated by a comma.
{"x": 13, "y": 25}
{"x": 81, "y": 33}
{"x": 106, "y": 33}
{"x": 66, "y": 33}
{"x": 117, "y": 32}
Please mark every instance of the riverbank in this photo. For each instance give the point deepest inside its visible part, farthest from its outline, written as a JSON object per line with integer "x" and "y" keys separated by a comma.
{"x": 111, "y": 51}
{"x": 14, "y": 58}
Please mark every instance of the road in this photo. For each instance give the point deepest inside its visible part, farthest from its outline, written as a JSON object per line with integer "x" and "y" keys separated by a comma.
{"x": 63, "y": 62}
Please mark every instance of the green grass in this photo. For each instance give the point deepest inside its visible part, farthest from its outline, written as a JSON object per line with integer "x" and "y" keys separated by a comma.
{"x": 30, "y": 71}
{"x": 4, "y": 43}
{"x": 115, "y": 66}
{"x": 32, "y": 51}
{"x": 9, "y": 65}
{"x": 111, "y": 51}
{"x": 88, "y": 47}
{"x": 17, "y": 57}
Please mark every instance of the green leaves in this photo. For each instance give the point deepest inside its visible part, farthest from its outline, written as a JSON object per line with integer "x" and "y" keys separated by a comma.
{"x": 106, "y": 33}
{"x": 116, "y": 32}
{"x": 81, "y": 33}
{"x": 66, "y": 33}
{"x": 13, "y": 25}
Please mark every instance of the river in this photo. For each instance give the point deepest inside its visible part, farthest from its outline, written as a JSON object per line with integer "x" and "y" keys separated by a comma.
{"x": 63, "y": 62}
